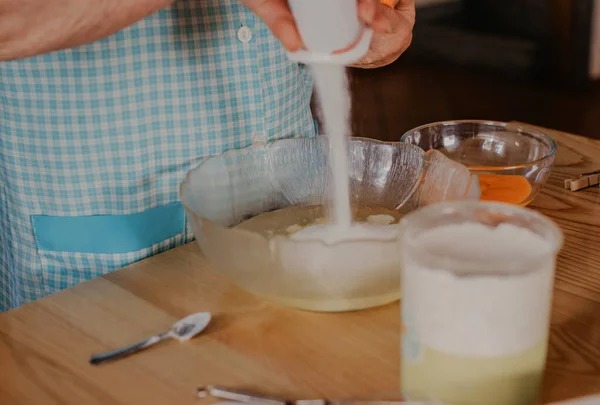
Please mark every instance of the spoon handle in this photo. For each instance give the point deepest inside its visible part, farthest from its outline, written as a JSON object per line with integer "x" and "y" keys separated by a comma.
{"x": 127, "y": 351}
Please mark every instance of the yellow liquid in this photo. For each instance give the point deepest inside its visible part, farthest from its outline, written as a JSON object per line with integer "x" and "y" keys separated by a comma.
{"x": 505, "y": 188}
{"x": 336, "y": 304}
{"x": 286, "y": 220}
{"x": 382, "y": 289}
{"x": 462, "y": 380}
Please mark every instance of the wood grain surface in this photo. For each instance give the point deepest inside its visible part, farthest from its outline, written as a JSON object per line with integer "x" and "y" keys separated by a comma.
{"x": 45, "y": 345}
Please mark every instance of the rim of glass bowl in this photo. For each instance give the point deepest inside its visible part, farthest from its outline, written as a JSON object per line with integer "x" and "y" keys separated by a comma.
{"x": 534, "y": 133}
{"x": 190, "y": 172}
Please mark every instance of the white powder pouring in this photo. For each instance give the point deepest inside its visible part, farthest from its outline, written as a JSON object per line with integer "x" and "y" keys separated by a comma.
{"x": 331, "y": 83}
{"x": 332, "y": 86}
{"x": 486, "y": 314}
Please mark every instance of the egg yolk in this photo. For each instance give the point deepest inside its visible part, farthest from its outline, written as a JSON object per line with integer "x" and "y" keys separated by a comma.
{"x": 507, "y": 189}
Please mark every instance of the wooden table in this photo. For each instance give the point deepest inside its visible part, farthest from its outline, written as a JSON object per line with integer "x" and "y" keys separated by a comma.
{"x": 45, "y": 346}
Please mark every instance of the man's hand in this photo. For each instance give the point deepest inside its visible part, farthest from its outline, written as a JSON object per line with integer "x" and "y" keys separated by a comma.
{"x": 392, "y": 26}
{"x": 393, "y": 34}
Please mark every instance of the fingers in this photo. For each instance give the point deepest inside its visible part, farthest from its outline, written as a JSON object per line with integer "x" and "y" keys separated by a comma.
{"x": 378, "y": 14}
{"x": 382, "y": 19}
{"x": 385, "y": 20}
{"x": 406, "y": 7}
{"x": 393, "y": 20}
{"x": 367, "y": 10}
{"x": 277, "y": 16}
{"x": 393, "y": 34}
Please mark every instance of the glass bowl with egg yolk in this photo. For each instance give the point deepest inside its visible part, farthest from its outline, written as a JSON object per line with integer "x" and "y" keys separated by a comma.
{"x": 512, "y": 162}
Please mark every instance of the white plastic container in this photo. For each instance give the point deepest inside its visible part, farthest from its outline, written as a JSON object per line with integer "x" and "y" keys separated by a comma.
{"x": 330, "y": 30}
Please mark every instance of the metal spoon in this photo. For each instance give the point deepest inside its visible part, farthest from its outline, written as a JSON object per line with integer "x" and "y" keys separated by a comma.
{"x": 182, "y": 330}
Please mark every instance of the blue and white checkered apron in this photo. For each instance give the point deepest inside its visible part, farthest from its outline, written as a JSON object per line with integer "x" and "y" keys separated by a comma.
{"x": 95, "y": 140}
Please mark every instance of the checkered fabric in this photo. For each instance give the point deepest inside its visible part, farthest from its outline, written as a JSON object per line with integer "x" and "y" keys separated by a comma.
{"x": 112, "y": 127}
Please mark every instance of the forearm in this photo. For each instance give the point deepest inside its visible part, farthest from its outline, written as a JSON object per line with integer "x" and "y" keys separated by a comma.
{"x": 33, "y": 27}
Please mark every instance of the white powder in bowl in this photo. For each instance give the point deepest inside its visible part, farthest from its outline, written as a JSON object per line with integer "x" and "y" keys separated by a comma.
{"x": 380, "y": 219}
{"x": 484, "y": 314}
{"x": 356, "y": 232}
{"x": 363, "y": 260}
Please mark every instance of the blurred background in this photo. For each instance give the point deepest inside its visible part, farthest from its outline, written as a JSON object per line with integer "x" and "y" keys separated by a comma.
{"x": 527, "y": 60}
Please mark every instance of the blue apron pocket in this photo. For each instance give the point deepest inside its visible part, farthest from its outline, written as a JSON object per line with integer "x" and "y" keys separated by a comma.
{"x": 108, "y": 234}
{"x": 72, "y": 250}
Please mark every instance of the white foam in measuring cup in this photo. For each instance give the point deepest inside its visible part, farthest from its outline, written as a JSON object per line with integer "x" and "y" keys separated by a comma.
{"x": 483, "y": 314}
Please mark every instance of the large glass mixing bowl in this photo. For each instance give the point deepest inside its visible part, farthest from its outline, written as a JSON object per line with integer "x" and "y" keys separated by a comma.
{"x": 225, "y": 190}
